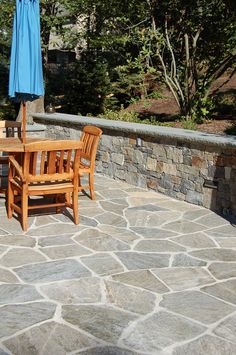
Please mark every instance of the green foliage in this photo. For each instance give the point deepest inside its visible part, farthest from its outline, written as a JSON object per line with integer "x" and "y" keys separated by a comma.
{"x": 188, "y": 124}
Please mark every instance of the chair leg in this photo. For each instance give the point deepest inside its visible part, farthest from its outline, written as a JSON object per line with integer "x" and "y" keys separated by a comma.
{"x": 24, "y": 210}
{"x": 91, "y": 186}
{"x": 75, "y": 206}
{"x": 10, "y": 200}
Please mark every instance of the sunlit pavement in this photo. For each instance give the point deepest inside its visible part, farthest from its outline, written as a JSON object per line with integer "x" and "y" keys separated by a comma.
{"x": 141, "y": 274}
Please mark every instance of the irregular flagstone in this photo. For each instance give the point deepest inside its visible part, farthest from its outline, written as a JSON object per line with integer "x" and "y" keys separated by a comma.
{"x": 65, "y": 251}
{"x": 197, "y": 305}
{"x": 218, "y": 254}
{"x": 106, "y": 350}
{"x": 179, "y": 205}
{"x": 55, "y": 229}
{"x": 43, "y": 220}
{"x": 223, "y": 270}
{"x": 18, "y": 240}
{"x": 212, "y": 220}
{"x": 112, "y": 207}
{"x": 195, "y": 214}
{"x": 143, "y": 218}
{"x": 2, "y": 352}
{"x": 195, "y": 240}
{"x": 130, "y": 298}
{"x": 142, "y": 200}
{"x": 21, "y": 256}
{"x": 141, "y": 278}
{"x": 111, "y": 219}
{"x": 20, "y": 316}
{"x": 223, "y": 231}
{"x": 179, "y": 279}
{"x": 16, "y": 293}
{"x": 7, "y": 276}
{"x": 227, "y": 242}
{"x": 55, "y": 240}
{"x": 135, "y": 261}
{"x": 102, "y": 264}
{"x": 96, "y": 240}
{"x": 49, "y": 338}
{"x": 227, "y": 329}
{"x": 184, "y": 227}
{"x": 2, "y": 250}
{"x": 224, "y": 290}
{"x": 148, "y": 207}
{"x": 113, "y": 193}
{"x": 186, "y": 261}
{"x": 13, "y": 226}
{"x": 52, "y": 271}
{"x": 206, "y": 345}
{"x": 120, "y": 201}
{"x": 107, "y": 323}
{"x": 120, "y": 233}
{"x": 160, "y": 330}
{"x": 84, "y": 290}
{"x": 3, "y": 232}
{"x": 158, "y": 246}
{"x": 91, "y": 211}
{"x": 156, "y": 233}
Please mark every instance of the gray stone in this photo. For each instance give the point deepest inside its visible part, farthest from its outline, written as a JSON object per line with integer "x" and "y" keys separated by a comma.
{"x": 102, "y": 264}
{"x": 143, "y": 218}
{"x": 55, "y": 229}
{"x": 111, "y": 219}
{"x": 7, "y": 276}
{"x": 227, "y": 329}
{"x": 49, "y": 338}
{"x": 224, "y": 290}
{"x": 107, "y": 323}
{"x": 223, "y": 231}
{"x": 112, "y": 207}
{"x": 56, "y": 240}
{"x": 130, "y": 298}
{"x": 134, "y": 261}
{"x": 156, "y": 233}
{"x": 2, "y": 250}
{"x": 87, "y": 221}
{"x": 95, "y": 240}
{"x": 223, "y": 270}
{"x": 106, "y": 350}
{"x": 213, "y": 220}
{"x": 65, "y": 251}
{"x": 52, "y": 271}
{"x": 84, "y": 290}
{"x": 206, "y": 345}
{"x": 195, "y": 240}
{"x": 179, "y": 279}
{"x": 158, "y": 246}
{"x": 195, "y": 214}
{"x": 227, "y": 242}
{"x": 20, "y": 316}
{"x": 90, "y": 211}
{"x": 160, "y": 330}
{"x": 21, "y": 256}
{"x": 197, "y": 305}
{"x": 215, "y": 254}
{"x": 16, "y": 293}
{"x": 113, "y": 193}
{"x": 148, "y": 207}
{"x": 18, "y": 240}
{"x": 186, "y": 261}
{"x": 194, "y": 197}
{"x": 141, "y": 278}
{"x": 184, "y": 227}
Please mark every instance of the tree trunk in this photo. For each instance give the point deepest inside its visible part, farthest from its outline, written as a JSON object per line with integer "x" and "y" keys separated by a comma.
{"x": 31, "y": 107}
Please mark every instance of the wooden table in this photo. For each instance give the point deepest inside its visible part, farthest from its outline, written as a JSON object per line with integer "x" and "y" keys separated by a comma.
{"x": 15, "y": 145}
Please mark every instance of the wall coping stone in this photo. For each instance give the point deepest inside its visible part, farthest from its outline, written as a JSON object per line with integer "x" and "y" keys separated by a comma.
{"x": 225, "y": 141}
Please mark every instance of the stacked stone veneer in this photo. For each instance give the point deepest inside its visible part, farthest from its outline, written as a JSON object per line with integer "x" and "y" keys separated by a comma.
{"x": 172, "y": 161}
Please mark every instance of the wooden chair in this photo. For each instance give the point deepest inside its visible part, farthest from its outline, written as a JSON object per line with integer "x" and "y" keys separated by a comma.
{"x": 48, "y": 168}
{"x": 90, "y": 138}
{"x": 7, "y": 129}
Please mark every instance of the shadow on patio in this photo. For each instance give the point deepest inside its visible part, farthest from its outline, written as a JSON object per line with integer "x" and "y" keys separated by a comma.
{"x": 141, "y": 274}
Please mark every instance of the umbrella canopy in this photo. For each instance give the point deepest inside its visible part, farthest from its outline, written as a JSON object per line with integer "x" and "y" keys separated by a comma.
{"x": 26, "y": 73}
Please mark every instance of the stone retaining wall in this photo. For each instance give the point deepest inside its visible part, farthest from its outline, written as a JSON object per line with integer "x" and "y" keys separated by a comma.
{"x": 195, "y": 167}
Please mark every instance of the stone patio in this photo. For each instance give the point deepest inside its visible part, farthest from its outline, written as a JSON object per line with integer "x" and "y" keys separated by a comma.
{"x": 141, "y": 274}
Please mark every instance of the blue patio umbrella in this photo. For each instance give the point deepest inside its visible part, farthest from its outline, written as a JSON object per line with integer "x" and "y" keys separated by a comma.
{"x": 26, "y": 73}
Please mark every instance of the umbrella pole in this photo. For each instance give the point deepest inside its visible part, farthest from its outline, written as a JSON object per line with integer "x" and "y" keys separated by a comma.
{"x": 23, "y": 122}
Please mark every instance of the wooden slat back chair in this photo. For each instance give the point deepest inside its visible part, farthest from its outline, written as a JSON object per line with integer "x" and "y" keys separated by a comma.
{"x": 90, "y": 138}
{"x": 7, "y": 129}
{"x": 48, "y": 168}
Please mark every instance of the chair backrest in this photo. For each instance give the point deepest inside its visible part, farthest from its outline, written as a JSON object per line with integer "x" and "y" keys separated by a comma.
{"x": 90, "y": 137}
{"x": 51, "y": 160}
{"x": 10, "y": 128}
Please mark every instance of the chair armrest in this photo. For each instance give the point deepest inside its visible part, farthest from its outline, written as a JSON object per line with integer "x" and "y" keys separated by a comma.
{"x": 18, "y": 168}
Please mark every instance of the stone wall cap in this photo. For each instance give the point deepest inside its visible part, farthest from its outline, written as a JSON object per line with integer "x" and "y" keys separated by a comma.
{"x": 139, "y": 128}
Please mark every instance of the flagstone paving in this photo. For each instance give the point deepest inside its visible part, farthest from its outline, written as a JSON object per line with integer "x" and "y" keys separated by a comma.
{"x": 141, "y": 274}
